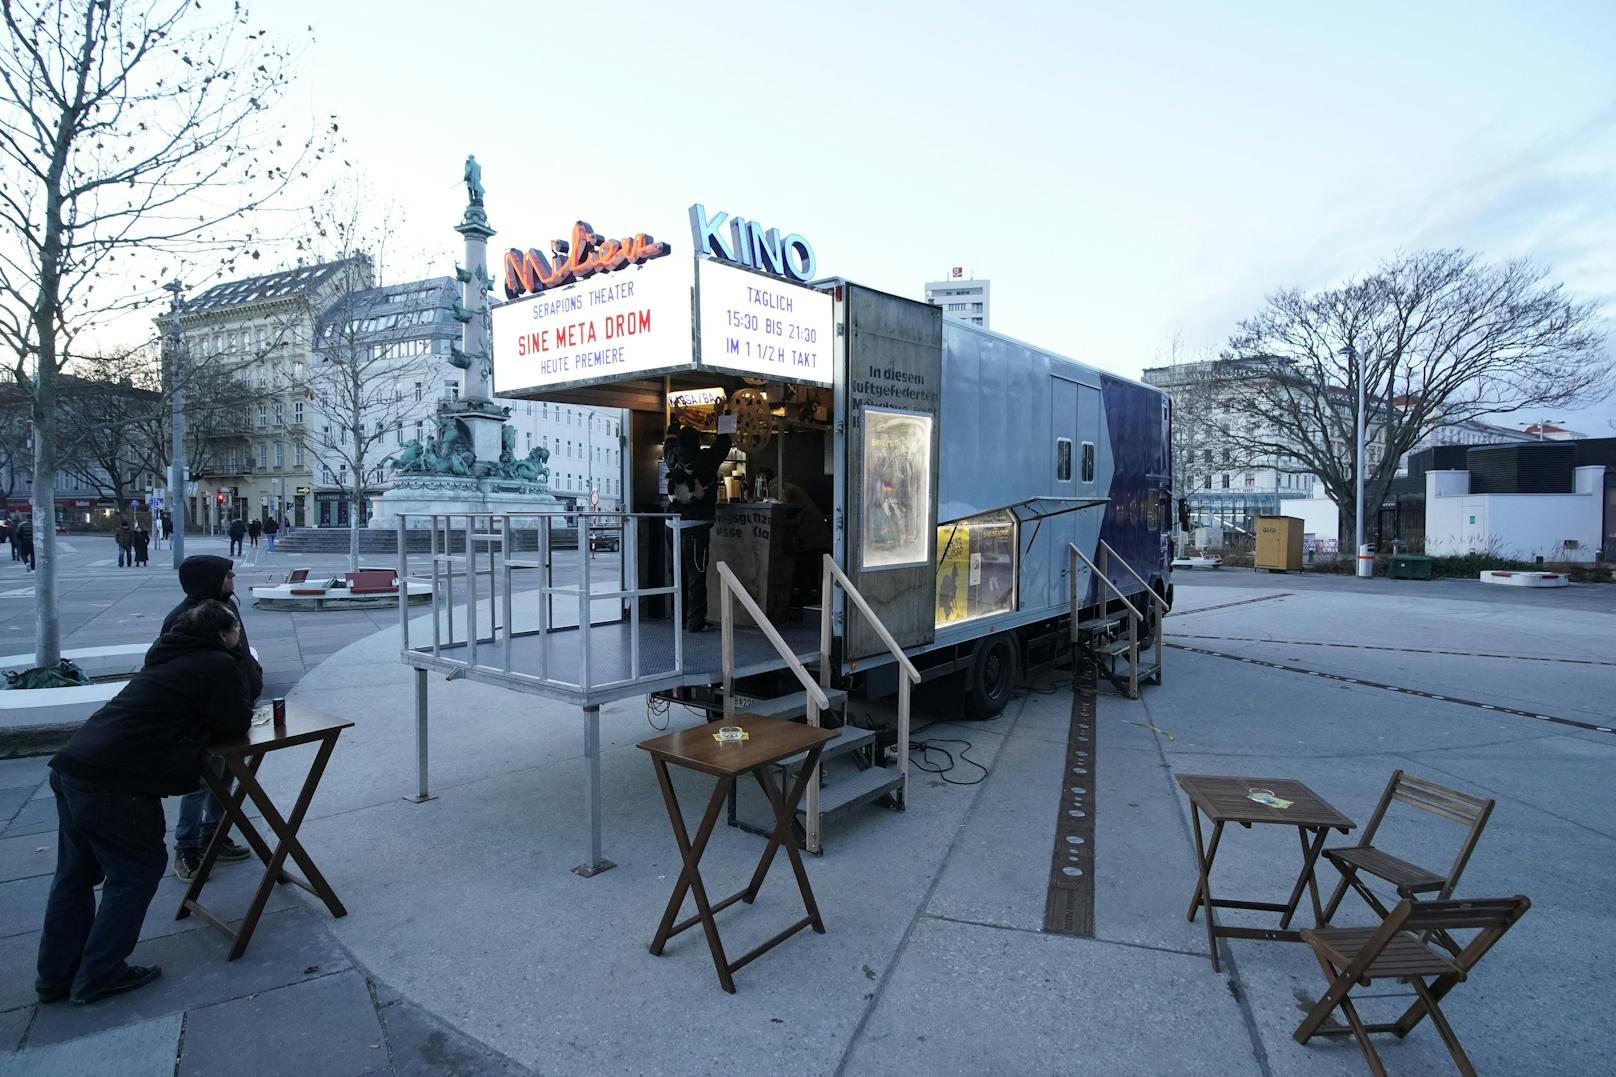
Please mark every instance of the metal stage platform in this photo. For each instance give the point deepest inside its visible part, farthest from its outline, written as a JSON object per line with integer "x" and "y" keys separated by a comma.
{"x": 538, "y": 661}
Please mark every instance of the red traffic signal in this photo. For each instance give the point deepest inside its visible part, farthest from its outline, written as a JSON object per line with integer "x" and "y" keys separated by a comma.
{"x": 220, "y": 498}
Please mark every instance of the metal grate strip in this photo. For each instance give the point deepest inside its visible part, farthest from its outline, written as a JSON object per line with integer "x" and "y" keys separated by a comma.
{"x": 1069, "y": 907}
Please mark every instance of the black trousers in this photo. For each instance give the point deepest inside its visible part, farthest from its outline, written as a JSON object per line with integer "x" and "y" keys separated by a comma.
{"x": 235, "y": 546}
{"x": 693, "y": 548}
{"x": 102, "y": 837}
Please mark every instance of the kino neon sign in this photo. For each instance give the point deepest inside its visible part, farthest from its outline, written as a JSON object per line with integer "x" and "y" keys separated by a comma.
{"x": 583, "y": 256}
{"x": 748, "y": 243}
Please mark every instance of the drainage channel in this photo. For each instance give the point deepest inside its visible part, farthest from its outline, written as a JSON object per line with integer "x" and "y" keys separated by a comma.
{"x": 1495, "y": 708}
{"x": 1069, "y": 906}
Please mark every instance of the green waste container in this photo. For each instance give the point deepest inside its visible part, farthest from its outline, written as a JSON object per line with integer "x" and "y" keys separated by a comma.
{"x": 1408, "y": 566}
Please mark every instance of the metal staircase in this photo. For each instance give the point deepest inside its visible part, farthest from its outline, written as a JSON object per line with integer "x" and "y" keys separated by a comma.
{"x": 853, "y": 769}
{"x": 1109, "y": 644}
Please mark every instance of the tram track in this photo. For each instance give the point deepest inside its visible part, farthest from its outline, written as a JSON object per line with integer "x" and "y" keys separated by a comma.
{"x": 1418, "y": 693}
{"x": 1395, "y": 650}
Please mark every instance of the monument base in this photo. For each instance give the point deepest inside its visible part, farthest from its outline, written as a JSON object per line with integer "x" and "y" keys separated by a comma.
{"x": 419, "y": 496}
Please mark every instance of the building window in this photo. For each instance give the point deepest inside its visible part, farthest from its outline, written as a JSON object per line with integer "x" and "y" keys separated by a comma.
{"x": 326, "y": 434}
{"x": 263, "y": 417}
{"x": 530, "y": 441}
{"x": 297, "y": 413}
{"x": 280, "y": 455}
{"x": 297, "y": 455}
{"x": 1251, "y": 480}
{"x": 263, "y": 454}
{"x": 418, "y": 392}
{"x": 1225, "y": 480}
{"x": 1208, "y": 482}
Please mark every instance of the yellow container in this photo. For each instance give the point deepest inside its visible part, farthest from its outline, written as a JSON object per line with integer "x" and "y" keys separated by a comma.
{"x": 1279, "y": 543}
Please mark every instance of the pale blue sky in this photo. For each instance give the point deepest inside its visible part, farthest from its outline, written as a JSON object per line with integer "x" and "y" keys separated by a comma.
{"x": 1122, "y": 173}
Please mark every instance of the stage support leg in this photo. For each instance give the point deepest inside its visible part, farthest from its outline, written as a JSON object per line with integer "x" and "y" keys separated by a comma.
{"x": 596, "y": 863}
{"x": 420, "y": 739}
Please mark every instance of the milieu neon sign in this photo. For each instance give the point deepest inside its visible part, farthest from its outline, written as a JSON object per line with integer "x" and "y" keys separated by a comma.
{"x": 749, "y": 244}
{"x": 583, "y": 256}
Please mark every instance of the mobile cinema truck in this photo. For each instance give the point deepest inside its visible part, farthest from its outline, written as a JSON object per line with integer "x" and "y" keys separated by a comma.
{"x": 954, "y": 470}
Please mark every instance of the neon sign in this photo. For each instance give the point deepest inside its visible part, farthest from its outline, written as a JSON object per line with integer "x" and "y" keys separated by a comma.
{"x": 586, "y": 254}
{"x": 749, "y": 244}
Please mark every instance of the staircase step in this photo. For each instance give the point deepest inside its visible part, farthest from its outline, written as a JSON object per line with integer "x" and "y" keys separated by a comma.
{"x": 848, "y": 738}
{"x": 1115, "y": 647}
{"x": 1099, "y": 624}
{"x": 857, "y": 788}
{"x": 787, "y": 706}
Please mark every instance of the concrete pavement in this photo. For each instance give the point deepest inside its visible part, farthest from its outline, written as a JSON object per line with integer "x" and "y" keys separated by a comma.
{"x": 466, "y": 922}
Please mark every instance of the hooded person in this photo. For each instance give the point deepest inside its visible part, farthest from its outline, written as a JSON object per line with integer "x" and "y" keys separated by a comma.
{"x": 207, "y": 577}
{"x": 146, "y": 743}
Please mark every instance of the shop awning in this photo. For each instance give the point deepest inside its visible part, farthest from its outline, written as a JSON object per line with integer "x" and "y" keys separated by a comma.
{"x": 1039, "y": 508}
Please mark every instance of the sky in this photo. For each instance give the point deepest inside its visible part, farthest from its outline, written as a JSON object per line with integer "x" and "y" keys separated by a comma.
{"x": 1127, "y": 175}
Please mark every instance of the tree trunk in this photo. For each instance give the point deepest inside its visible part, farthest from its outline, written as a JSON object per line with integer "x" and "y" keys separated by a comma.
{"x": 356, "y": 501}
{"x": 47, "y": 622}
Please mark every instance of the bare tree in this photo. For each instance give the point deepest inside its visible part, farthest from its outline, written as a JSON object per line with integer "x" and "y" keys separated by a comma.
{"x": 127, "y": 127}
{"x": 106, "y": 421}
{"x": 362, "y": 380}
{"x": 1438, "y": 337}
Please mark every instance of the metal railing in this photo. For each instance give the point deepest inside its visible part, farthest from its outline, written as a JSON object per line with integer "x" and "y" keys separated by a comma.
{"x": 817, "y": 700}
{"x": 1106, "y": 554}
{"x": 488, "y": 547}
{"x": 1133, "y": 614}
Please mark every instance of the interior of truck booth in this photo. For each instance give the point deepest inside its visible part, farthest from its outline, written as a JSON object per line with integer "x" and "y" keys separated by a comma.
{"x": 783, "y": 429}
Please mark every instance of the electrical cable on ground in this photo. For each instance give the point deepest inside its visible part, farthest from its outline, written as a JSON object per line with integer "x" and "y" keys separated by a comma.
{"x": 923, "y": 761}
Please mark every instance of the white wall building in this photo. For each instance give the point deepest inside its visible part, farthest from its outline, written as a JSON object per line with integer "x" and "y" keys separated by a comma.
{"x": 1555, "y": 527}
{"x": 962, "y": 298}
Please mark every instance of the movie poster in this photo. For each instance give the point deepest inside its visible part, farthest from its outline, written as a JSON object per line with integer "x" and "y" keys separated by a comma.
{"x": 976, "y": 568}
{"x": 897, "y": 488}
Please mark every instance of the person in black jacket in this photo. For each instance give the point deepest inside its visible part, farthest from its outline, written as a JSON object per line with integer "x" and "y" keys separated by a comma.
{"x": 693, "y": 494}
{"x": 237, "y": 532}
{"x": 146, "y": 743}
{"x": 206, "y": 578}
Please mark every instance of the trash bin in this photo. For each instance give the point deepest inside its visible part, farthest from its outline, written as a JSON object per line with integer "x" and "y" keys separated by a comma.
{"x": 1408, "y": 566}
{"x": 1279, "y": 543}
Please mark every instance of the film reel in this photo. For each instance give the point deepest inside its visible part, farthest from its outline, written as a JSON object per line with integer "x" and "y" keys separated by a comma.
{"x": 753, "y": 423}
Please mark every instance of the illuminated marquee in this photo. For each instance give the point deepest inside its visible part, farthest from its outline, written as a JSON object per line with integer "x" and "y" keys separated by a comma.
{"x": 749, "y": 244}
{"x": 585, "y": 255}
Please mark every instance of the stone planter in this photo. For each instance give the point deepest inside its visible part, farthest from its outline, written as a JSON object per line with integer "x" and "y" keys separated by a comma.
{"x": 41, "y": 719}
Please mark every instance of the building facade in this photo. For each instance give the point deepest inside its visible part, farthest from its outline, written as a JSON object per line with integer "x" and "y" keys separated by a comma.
{"x": 288, "y": 339}
{"x": 962, "y": 298}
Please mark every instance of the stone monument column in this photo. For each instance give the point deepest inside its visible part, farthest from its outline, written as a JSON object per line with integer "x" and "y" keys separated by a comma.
{"x": 474, "y": 355}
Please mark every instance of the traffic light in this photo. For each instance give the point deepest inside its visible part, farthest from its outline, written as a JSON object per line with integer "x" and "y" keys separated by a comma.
{"x": 219, "y": 497}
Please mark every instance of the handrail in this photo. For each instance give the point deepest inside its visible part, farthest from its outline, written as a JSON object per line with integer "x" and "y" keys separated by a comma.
{"x": 1103, "y": 579}
{"x": 1133, "y": 616}
{"x": 875, "y": 622}
{"x": 732, "y": 586}
{"x": 1156, "y": 598}
{"x": 833, "y": 574}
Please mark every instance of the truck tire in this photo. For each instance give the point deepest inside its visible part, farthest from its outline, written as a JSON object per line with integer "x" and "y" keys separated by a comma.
{"x": 991, "y": 677}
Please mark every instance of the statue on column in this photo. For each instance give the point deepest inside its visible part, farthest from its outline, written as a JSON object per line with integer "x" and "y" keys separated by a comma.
{"x": 473, "y": 175}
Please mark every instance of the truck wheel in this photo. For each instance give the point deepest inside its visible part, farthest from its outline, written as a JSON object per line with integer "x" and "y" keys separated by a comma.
{"x": 992, "y": 676}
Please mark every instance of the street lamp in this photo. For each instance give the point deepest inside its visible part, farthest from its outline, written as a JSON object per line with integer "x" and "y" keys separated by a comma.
{"x": 1366, "y": 563}
{"x": 176, "y": 464}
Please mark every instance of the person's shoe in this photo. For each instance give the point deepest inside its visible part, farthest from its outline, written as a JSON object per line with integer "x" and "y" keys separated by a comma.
{"x": 186, "y": 864}
{"x": 696, "y": 626}
{"x": 133, "y": 976}
{"x": 229, "y": 850}
{"x": 47, "y": 995}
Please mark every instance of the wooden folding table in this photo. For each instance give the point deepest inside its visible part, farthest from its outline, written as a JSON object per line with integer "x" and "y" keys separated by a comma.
{"x": 769, "y": 740}
{"x": 242, "y": 759}
{"x": 1227, "y": 799}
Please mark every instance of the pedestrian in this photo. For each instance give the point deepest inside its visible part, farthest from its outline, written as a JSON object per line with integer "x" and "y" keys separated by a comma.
{"x": 140, "y": 539}
{"x": 207, "y": 578}
{"x": 254, "y": 529}
{"x": 168, "y": 526}
{"x": 693, "y": 494}
{"x": 144, "y": 744}
{"x": 238, "y": 531}
{"x": 271, "y": 528}
{"x": 5, "y": 536}
{"x": 25, "y": 541}
{"x": 124, "y": 537}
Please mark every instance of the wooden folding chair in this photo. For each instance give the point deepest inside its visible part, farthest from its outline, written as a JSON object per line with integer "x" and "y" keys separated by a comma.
{"x": 1351, "y": 956}
{"x": 1410, "y": 880}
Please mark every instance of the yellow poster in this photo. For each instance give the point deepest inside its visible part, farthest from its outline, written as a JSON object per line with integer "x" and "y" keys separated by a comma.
{"x": 953, "y": 572}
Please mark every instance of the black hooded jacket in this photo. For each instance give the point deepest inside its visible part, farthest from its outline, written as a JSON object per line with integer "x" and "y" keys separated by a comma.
{"x": 148, "y": 739}
{"x": 202, "y": 576}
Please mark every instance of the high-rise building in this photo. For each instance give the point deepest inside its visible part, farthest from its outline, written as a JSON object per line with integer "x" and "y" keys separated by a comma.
{"x": 962, "y": 298}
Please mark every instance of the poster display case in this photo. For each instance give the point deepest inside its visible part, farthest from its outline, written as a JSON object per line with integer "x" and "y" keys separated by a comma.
{"x": 897, "y": 488}
{"x": 976, "y": 567}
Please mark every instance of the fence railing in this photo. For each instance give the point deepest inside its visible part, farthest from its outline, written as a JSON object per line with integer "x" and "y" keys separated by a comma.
{"x": 466, "y": 548}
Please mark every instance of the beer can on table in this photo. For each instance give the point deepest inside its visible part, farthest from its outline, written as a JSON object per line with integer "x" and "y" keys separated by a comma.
{"x": 278, "y": 707}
